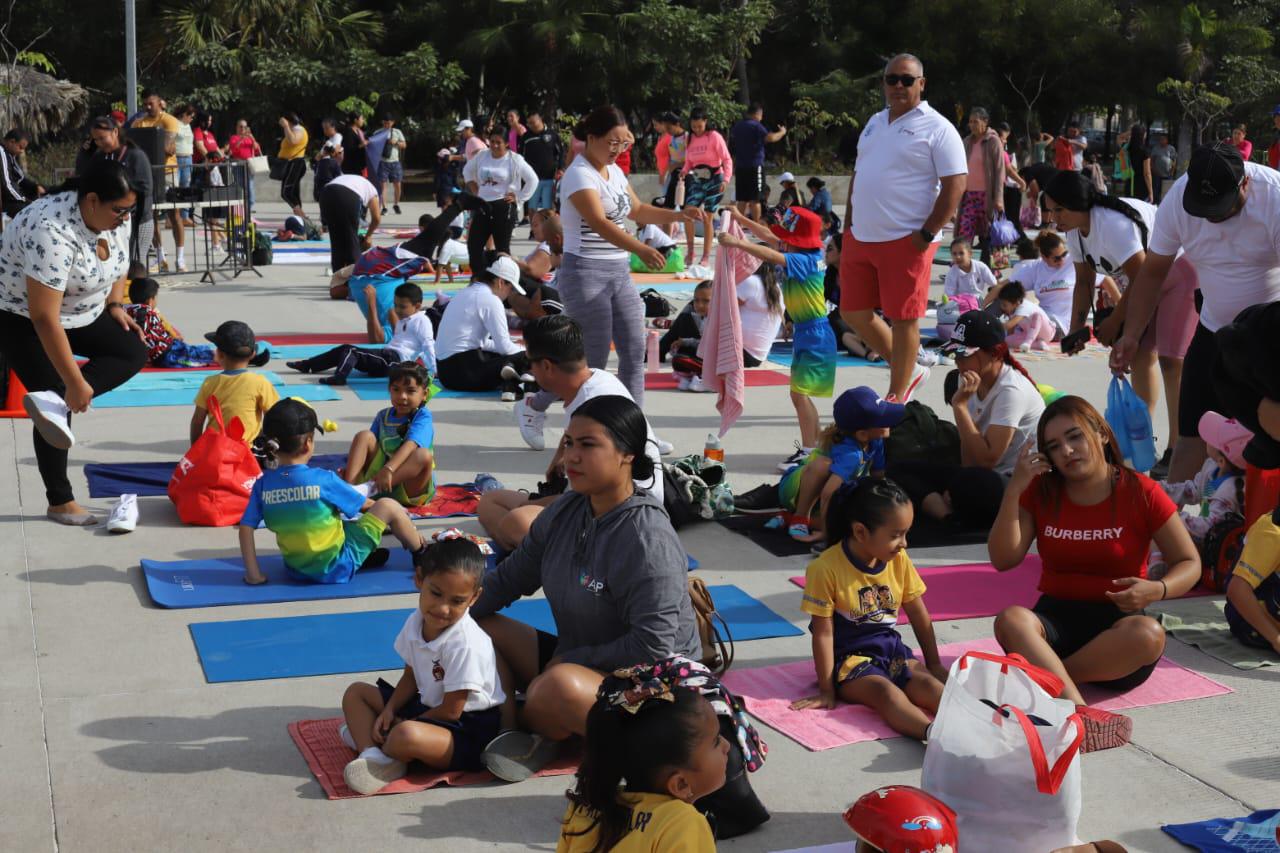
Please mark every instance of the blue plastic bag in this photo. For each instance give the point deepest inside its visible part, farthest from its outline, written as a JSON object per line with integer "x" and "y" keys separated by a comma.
{"x": 1130, "y": 420}
{"x": 1003, "y": 232}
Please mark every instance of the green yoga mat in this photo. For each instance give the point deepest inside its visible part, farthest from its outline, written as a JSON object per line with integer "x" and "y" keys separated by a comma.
{"x": 1204, "y": 626}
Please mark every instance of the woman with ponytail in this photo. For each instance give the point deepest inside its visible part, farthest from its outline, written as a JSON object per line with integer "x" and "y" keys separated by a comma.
{"x": 996, "y": 406}
{"x": 1107, "y": 234}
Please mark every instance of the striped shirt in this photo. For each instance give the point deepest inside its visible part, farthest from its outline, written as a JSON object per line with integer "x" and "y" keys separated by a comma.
{"x": 615, "y": 198}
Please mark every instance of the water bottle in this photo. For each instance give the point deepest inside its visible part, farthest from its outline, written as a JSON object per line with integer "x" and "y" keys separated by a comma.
{"x": 487, "y": 483}
{"x": 713, "y": 451}
{"x": 653, "y": 364}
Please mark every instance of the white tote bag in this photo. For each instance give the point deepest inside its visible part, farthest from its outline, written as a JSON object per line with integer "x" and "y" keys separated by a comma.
{"x": 1005, "y": 756}
{"x": 259, "y": 165}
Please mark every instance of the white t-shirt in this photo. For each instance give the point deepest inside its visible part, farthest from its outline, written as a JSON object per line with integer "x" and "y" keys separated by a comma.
{"x": 335, "y": 141}
{"x": 604, "y": 384}
{"x": 972, "y": 283}
{"x": 1013, "y": 402}
{"x": 1113, "y": 239}
{"x": 184, "y": 141}
{"x": 474, "y": 319}
{"x": 1028, "y": 309}
{"x": 615, "y": 198}
{"x": 453, "y": 250}
{"x": 1052, "y": 286}
{"x": 1237, "y": 261}
{"x": 412, "y": 337}
{"x": 461, "y": 658}
{"x": 759, "y": 324}
{"x": 897, "y": 175}
{"x": 358, "y": 185}
{"x": 652, "y": 235}
{"x": 496, "y": 176}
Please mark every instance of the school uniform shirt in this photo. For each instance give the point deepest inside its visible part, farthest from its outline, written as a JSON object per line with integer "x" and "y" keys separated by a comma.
{"x": 862, "y": 602}
{"x": 496, "y": 176}
{"x": 474, "y": 319}
{"x": 1053, "y": 287}
{"x": 1028, "y": 309}
{"x": 1237, "y": 261}
{"x": 1084, "y": 548}
{"x": 1013, "y": 402}
{"x": 615, "y": 197}
{"x": 461, "y": 658}
{"x": 50, "y": 242}
{"x": 412, "y": 338}
{"x": 659, "y": 822}
{"x": 303, "y": 507}
{"x": 241, "y": 394}
{"x": 898, "y": 172}
{"x": 972, "y": 283}
{"x": 759, "y": 324}
{"x": 358, "y": 184}
{"x": 604, "y": 384}
{"x": 1261, "y": 555}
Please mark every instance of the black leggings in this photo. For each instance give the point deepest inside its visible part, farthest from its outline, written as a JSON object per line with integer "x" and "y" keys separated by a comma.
{"x": 975, "y": 492}
{"x": 340, "y": 208}
{"x": 1013, "y": 208}
{"x": 291, "y": 184}
{"x": 479, "y": 370}
{"x": 114, "y": 356}
{"x": 494, "y": 219}
{"x": 349, "y": 357}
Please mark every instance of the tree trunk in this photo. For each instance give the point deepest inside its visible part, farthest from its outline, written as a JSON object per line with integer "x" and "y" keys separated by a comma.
{"x": 1184, "y": 142}
{"x": 744, "y": 87}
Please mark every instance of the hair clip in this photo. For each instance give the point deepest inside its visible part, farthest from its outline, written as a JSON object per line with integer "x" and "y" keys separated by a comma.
{"x": 633, "y": 697}
{"x": 454, "y": 533}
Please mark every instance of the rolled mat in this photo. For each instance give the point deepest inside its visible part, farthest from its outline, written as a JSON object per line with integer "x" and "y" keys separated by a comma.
{"x": 769, "y": 692}
{"x": 326, "y": 756}
{"x": 151, "y": 479}
{"x": 1205, "y": 627}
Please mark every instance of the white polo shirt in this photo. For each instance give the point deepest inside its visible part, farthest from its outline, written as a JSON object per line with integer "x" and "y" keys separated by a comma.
{"x": 898, "y": 170}
{"x": 1237, "y": 261}
{"x": 461, "y": 658}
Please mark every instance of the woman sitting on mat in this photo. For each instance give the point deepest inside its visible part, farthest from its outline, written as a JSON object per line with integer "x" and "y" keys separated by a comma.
{"x": 1094, "y": 522}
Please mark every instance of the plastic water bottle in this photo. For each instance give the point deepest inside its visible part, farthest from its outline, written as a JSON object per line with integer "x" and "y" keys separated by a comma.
{"x": 487, "y": 483}
{"x": 713, "y": 451}
{"x": 653, "y": 363}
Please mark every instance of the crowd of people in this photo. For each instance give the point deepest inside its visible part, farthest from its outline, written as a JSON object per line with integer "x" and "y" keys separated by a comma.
{"x": 1181, "y": 281}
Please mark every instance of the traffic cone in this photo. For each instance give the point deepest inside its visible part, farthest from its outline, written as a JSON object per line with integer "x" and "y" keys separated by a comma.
{"x": 13, "y": 399}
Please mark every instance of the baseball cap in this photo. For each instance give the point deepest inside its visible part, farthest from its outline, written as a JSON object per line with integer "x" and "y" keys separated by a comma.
{"x": 1225, "y": 434}
{"x": 290, "y": 416}
{"x": 1214, "y": 176}
{"x": 505, "y": 268}
{"x": 234, "y": 338}
{"x": 800, "y": 227}
{"x": 465, "y": 123}
{"x": 786, "y": 177}
{"x": 862, "y": 408}
{"x": 974, "y": 330}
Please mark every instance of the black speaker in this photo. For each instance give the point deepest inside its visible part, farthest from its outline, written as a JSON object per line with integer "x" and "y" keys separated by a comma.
{"x": 150, "y": 141}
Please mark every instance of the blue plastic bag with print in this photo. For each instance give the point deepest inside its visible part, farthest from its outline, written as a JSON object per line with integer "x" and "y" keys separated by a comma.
{"x": 1130, "y": 419}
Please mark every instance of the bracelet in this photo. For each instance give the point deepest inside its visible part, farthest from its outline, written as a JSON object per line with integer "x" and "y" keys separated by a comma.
{"x": 1164, "y": 590}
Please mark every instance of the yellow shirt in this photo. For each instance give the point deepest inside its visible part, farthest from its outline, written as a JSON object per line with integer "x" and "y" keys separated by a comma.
{"x": 242, "y": 395}
{"x": 1261, "y": 554}
{"x": 290, "y": 151}
{"x": 168, "y": 124}
{"x": 863, "y": 602}
{"x": 658, "y": 823}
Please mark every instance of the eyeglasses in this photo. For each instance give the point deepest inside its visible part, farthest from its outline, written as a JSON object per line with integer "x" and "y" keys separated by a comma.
{"x": 619, "y": 144}
{"x": 1056, "y": 258}
{"x": 907, "y": 80}
{"x": 120, "y": 212}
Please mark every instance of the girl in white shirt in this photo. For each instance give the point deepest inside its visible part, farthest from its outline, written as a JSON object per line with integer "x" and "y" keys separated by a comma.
{"x": 504, "y": 182}
{"x": 968, "y": 279}
{"x": 1026, "y": 325}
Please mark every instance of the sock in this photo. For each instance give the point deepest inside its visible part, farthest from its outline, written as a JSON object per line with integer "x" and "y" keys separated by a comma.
{"x": 375, "y": 754}
{"x": 160, "y": 254}
{"x": 182, "y": 255}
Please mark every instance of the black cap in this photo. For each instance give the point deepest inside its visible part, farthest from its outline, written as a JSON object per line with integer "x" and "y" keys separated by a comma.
{"x": 1214, "y": 177}
{"x": 290, "y": 416}
{"x": 974, "y": 330}
{"x": 234, "y": 338}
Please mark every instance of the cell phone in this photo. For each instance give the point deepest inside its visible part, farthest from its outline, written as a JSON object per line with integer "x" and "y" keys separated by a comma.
{"x": 1076, "y": 340}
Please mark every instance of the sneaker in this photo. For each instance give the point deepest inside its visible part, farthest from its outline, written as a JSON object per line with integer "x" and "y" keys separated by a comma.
{"x": 508, "y": 395}
{"x": 49, "y": 414}
{"x": 333, "y": 380}
{"x": 763, "y": 498}
{"x": 162, "y": 266}
{"x": 927, "y": 358}
{"x": 1024, "y": 347}
{"x": 181, "y": 266}
{"x": 918, "y": 378}
{"x": 396, "y": 208}
{"x": 515, "y": 756}
{"x": 509, "y": 373}
{"x": 124, "y": 515}
{"x": 261, "y": 358}
{"x": 377, "y": 559}
{"x": 369, "y": 776}
{"x": 1103, "y": 729}
{"x": 344, "y": 735}
{"x": 794, "y": 459}
{"x": 798, "y": 529}
{"x": 696, "y": 386}
{"x": 300, "y": 366}
{"x": 531, "y": 423}
{"x": 682, "y": 382}
{"x": 665, "y": 448}
{"x": 1039, "y": 346}
{"x": 1160, "y": 470}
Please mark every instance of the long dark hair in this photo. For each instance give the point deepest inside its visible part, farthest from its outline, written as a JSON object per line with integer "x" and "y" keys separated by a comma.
{"x": 1077, "y": 193}
{"x": 772, "y": 292}
{"x": 635, "y": 748}
{"x": 598, "y": 122}
{"x": 1078, "y": 409}
{"x": 626, "y": 425}
{"x": 104, "y": 177}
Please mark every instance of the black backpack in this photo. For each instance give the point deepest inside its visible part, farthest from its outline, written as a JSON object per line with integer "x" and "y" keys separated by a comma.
{"x": 655, "y": 304}
{"x": 922, "y": 435}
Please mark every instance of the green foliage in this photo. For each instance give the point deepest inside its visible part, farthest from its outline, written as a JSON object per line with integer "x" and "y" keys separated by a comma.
{"x": 35, "y": 59}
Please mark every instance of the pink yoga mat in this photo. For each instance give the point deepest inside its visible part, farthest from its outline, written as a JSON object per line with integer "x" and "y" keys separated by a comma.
{"x": 770, "y": 690}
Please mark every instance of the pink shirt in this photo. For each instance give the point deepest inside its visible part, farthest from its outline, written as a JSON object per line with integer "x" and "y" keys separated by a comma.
{"x": 1246, "y": 149}
{"x": 708, "y": 149}
{"x": 977, "y": 179}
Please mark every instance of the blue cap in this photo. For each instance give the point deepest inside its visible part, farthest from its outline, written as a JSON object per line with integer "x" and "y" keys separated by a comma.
{"x": 862, "y": 408}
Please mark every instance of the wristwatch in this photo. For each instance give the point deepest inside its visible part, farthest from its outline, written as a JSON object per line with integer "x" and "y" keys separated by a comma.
{"x": 927, "y": 234}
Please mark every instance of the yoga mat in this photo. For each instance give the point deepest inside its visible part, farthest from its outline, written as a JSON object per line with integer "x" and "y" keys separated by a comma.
{"x": 972, "y": 590}
{"x": 769, "y": 691}
{"x": 297, "y": 352}
{"x": 371, "y": 389}
{"x": 781, "y": 354}
{"x": 776, "y": 542}
{"x": 326, "y": 756}
{"x": 1257, "y": 833}
{"x": 150, "y": 479}
{"x": 753, "y": 379}
{"x": 122, "y": 398}
{"x": 1206, "y": 628}
{"x": 296, "y": 646}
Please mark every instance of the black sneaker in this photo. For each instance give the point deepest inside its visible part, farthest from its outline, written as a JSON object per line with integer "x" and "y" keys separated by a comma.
{"x": 798, "y": 456}
{"x": 300, "y": 366}
{"x": 396, "y": 208}
{"x": 762, "y": 499}
{"x": 261, "y": 358}
{"x": 1160, "y": 470}
{"x": 333, "y": 380}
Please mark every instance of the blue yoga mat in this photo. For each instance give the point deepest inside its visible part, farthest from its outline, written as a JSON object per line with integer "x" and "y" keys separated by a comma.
{"x": 1257, "y": 832}
{"x": 782, "y": 353}
{"x": 151, "y": 479}
{"x": 182, "y": 396}
{"x": 297, "y": 646}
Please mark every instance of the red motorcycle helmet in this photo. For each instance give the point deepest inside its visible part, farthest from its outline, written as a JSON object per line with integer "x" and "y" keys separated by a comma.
{"x": 903, "y": 819}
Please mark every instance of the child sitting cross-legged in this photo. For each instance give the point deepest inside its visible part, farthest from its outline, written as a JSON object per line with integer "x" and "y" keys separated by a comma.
{"x": 240, "y": 392}
{"x": 447, "y": 705}
{"x": 412, "y": 338}
{"x": 165, "y": 346}
{"x": 849, "y": 449}
{"x": 1026, "y": 324}
{"x": 853, "y": 591}
{"x": 304, "y": 508}
{"x": 394, "y": 455}
{"x": 684, "y": 337}
{"x": 967, "y": 279}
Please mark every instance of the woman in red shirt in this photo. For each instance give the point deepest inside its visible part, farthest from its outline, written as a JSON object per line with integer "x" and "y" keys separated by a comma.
{"x": 242, "y": 146}
{"x": 1094, "y": 521}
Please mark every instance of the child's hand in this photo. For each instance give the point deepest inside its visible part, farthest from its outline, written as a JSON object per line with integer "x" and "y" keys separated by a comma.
{"x": 382, "y": 725}
{"x": 726, "y": 239}
{"x": 825, "y": 701}
{"x": 382, "y": 480}
{"x": 938, "y": 671}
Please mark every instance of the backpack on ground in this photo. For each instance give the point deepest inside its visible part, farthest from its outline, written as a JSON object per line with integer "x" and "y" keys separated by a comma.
{"x": 260, "y": 254}
{"x": 655, "y": 304}
{"x": 922, "y": 435}
{"x": 713, "y": 630}
{"x": 695, "y": 489}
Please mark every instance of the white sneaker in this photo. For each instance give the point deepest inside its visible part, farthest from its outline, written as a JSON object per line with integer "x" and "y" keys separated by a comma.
{"x": 665, "y": 448}
{"x": 531, "y": 423}
{"x": 682, "y": 382}
{"x": 918, "y": 377}
{"x": 124, "y": 515}
{"x": 344, "y": 735}
{"x": 927, "y": 357}
{"x": 49, "y": 413}
{"x": 696, "y": 386}
{"x": 508, "y": 396}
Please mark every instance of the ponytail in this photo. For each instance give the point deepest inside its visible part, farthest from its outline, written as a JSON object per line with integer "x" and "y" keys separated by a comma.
{"x": 1077, "y": 193}
{"x": 1001, "y": 351}
{"x": 772, "y": 293}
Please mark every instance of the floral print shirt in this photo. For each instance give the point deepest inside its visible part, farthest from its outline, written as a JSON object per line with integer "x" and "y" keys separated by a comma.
{"x": 50, "y": 242}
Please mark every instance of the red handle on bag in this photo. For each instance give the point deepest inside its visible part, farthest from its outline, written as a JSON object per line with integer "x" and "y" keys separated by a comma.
{"x": 214, "y": 408}
{"x": 1048, "y": 781}
{"x": 1047, "y": 681}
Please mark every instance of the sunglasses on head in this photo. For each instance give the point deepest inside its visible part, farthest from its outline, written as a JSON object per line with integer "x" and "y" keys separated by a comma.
{"x": 907, "y": 80}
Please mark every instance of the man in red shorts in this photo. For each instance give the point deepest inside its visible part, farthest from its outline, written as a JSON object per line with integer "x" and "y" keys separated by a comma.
{"x": 907, "y": 183}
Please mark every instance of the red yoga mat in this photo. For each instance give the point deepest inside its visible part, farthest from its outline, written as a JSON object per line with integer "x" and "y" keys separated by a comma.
{"x": 326, "y": 755}
{"x": 754, "y": 378}
{"x": 449, "y": 500}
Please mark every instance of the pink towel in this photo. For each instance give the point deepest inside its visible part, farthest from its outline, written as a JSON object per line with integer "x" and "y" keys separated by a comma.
{"x": 721, "y": 347}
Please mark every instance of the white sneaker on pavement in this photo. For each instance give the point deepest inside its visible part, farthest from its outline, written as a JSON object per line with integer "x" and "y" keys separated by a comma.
{"x": 531, "y": 423}
{"x": 124, "y": 515}
{"x": 696, "y": 386}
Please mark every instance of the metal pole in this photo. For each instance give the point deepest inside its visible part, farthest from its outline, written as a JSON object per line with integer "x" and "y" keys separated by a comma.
{"x": 130, "y": 58}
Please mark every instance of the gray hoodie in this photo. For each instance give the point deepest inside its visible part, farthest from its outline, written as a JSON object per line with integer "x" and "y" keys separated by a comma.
{"x": 617, "y": 584}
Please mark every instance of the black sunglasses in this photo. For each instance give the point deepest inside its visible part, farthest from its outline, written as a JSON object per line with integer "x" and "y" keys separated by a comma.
{"x": 907, "y": 80}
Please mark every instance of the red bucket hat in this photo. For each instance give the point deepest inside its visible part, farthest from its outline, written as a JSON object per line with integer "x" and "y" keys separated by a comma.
{"x": 800, "y": 227}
